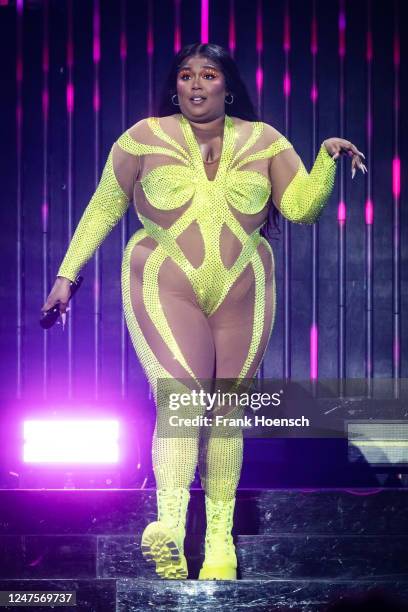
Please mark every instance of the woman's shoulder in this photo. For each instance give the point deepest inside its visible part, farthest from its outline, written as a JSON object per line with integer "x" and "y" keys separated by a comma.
{"x": 268, "y": 131}
{"x": 271, "y": 133}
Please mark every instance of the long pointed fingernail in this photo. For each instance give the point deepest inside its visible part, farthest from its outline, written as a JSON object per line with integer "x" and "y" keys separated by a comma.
{"x": 353, "y": 172}
{"x": 64, "y": 318}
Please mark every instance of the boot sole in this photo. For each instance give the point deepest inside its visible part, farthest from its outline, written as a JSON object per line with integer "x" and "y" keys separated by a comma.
{"x": 159, "y": 546}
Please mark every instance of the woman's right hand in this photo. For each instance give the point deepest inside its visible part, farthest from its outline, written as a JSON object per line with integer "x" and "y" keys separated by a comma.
{"x": 60, "y": 293}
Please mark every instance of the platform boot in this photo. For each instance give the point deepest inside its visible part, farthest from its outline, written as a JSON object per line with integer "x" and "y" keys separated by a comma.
{"x": 220, "y": 561}
{"x": 163, "y": 540}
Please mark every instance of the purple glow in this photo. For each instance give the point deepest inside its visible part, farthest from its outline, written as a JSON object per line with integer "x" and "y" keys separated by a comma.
{"x": 286, "y": 33}
{"x": 70, "y": 97}
{"x": 259, "y": 79}
{"x": 313, "y": 42}
{"x": 45, "y": 103}
{"x": 313, "y": 352}
{"x": 396, "y": 351}
{"x": 19, "y": 70}
{"x": 70, "y": 54}
{"x": 204, "y": 21}
{"x": 396, "y": 176}
{"x": 369, "y": 46}
{"x": 396, "y": 51}
{"x": 96, "y": 98}
{"x": 123, "y": 46}
{"x": 286, "y": 84}
{"x": 44, "y": 214}
{"x": 314, "y": 93}
{"x": 177, "y": 28}
{"x": 342, "y": 33}
{"x": 19, "y": 114}
{"x": 71, "y": 442}
{"x": 341, "y": 212}
{"x": 231, "y": 33}
{"x": 20, "y": 5}
{"x": 45, "y": 60}
{"x": 259, "y": 34}
{"x": 177, "y": 39}
{"x": 369, "y": 125}
{"x": 369, "y": 212}
{"x": 150, "y": 43}
{"x": 96, "y": 34}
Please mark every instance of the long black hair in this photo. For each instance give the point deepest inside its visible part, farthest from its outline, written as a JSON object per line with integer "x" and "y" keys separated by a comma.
{"x": 241, "y": 106}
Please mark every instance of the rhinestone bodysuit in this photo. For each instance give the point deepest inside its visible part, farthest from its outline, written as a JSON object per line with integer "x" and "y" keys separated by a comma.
{"x": 173, "y": 195}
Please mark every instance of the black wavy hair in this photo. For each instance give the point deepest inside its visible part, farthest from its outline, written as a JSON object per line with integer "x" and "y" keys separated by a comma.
{"x": 241, "y": 106}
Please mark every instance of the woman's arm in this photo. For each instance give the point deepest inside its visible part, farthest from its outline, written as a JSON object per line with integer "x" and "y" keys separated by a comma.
{"x": 106, "y": 207}
{"x": 300, "y": 196}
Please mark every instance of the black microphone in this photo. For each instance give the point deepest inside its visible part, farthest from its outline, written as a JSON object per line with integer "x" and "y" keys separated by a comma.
{"x": 50, "y": 316}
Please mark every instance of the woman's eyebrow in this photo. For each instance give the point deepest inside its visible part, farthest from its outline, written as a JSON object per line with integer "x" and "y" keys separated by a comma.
{"x": 203, "y": 66}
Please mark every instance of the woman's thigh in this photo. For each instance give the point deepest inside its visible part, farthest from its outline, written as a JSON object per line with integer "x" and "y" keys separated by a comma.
{"x": 170, "y": 334}
{"x": 242, "y": 324}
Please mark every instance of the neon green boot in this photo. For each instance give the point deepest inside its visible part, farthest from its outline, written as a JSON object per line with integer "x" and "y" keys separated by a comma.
{"x": 163, "y": 540}
{"x": 220, "y": 561}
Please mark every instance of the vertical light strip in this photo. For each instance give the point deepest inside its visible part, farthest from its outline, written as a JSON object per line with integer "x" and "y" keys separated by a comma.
{"x": 314, "y": 330}
{"x": 259, "y": 99}
{"x": 124, "y": 338}
{"x": 286, "y": 223}
{"x": 259, "y": 55}
{"x": 369, "y": 209}
{"x": 177, "y": 27}
{"x": 19, "y": 200}
{"x": 150, "y": 52}
{"x": 70, "y": 165}
{"x": 96, "y": 108}
{"x": 204, "y": 21}
{"x": 45, "y": 191}
{"x": 341, "y": 215}
{"x": 232, "y": 39}
{"x": 396, "y": 190}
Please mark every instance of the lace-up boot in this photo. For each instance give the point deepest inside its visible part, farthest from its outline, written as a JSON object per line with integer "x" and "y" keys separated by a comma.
{"x": 163, "y": 540}
{"x": 220, "y": 561}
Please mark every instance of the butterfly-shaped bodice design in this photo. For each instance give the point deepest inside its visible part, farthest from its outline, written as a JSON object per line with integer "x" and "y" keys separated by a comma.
{"x": 170, "y": 186}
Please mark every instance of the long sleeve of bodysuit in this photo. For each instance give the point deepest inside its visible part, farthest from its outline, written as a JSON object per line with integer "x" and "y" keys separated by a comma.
{"x": 301, "y": 196}
{"x": 106, "y": 207}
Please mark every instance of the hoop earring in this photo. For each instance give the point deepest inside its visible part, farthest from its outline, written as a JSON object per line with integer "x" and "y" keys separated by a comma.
{"x": 225, "y": 99}
{"x": 175, "y": 104}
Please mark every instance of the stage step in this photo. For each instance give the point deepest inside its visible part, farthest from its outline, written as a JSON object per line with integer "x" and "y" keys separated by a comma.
{"x": 140, "y": 595}
{"x": 259, "y": 557}
{"x": 379, "y": 511}
{"x": 297, "y": 549}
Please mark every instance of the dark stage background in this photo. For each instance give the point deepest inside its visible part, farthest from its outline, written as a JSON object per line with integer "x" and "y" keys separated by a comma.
{"x": 77, "y": 73}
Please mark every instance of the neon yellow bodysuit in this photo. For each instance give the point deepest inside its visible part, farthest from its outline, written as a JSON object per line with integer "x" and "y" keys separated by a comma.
{"x": 200, "y": 228}
{"x": 198, "y": 280}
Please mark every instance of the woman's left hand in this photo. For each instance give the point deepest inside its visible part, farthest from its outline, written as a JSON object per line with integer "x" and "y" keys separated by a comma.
{"x": 338, "y": 146}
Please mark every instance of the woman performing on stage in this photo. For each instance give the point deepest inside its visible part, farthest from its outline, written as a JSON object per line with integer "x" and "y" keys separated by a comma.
{"x": 198, "y": 279}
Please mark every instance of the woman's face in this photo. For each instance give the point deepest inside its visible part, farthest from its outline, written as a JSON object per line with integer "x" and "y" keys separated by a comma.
{"x": 199, "y": 77}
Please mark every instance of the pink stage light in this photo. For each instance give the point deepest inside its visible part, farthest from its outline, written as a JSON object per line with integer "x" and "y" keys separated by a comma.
{"x": 396, "y": 176}
{"x": 369, "y": 212}
{"x": 204, "y": 21}
{"x": 71, "y": 442}
{"x": 341, "y": 213}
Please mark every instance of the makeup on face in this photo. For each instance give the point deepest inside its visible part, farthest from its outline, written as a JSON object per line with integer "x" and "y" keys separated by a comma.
{"x": 208, "y": 72}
